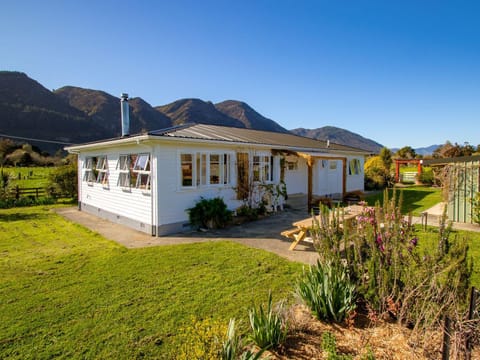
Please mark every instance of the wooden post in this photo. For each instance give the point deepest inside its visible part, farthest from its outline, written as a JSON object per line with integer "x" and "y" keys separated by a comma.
{"x": 471, "y": 310}
{"x": 446, "y": 339}
{"x": 17, "y": 192}
{"x": 309, "y": 183}
{"x": 397, "y": 171}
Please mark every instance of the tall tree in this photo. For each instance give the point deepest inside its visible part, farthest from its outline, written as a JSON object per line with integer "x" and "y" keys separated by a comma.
{"x": 386, "y": 157}
{"x": 406, "y": 152}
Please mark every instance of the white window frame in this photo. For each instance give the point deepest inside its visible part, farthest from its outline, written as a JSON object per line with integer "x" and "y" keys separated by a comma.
{"x": 264, "y": 164}
{"x": 142, "y": 170}
{"x": 193, "y": 163}
{"x": 354, "y": 167}
{"x": 89, "y": 169}
{"x": 102, "y": 170}
{"x": 123, "y": 167}
{"x": 132, "y": 173}
{"x": 202, "y": 169}
{"x": 292, "y": 165}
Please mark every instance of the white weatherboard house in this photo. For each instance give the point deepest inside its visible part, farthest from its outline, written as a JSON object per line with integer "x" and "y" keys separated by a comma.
{"x": 147, "y": 181}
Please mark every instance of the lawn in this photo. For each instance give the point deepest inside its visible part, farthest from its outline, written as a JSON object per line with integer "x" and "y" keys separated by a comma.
{"x": 429, "y": 239}
{"x": 29, "y": 177}
{"x": 415, "y": 198}
{"x": 67, "y": 292}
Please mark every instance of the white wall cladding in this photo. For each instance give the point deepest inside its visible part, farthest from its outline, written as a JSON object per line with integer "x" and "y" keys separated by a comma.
{"x": 296, "y": 178}
{"x": 131, "y": 203}
{"x": 173, "y": 199}
{"x": 356, "y": 181}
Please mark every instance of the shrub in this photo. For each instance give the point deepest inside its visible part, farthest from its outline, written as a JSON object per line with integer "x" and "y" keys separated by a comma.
{"x": 210, "y": 213}
{"x": 427, "y": 176}
{"x": 201, "y": 339}
{"x": 63, "y": 181}
{"x": 269, "y": 327}
{"x": 327, "y": 290}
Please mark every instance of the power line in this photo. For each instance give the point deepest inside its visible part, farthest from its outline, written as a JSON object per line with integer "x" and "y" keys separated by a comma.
{"x": 32, "y": 139}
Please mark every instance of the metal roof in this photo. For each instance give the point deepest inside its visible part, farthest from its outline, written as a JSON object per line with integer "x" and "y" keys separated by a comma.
{"x": 249, "y": 136}
{"x": 226, "y": 134}
{"x": 444, "y": 161}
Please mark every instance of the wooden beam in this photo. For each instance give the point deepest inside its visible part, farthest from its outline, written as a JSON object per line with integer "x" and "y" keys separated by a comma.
{"x": 309, "y": 183}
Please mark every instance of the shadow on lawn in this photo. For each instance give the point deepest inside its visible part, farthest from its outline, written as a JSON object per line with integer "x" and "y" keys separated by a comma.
{"x": 22, "y": 217}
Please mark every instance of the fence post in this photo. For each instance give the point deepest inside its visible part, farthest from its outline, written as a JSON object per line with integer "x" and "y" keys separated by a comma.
{"x": 446, "y": 339}
{"x": 471, "y": 311}
{"x": 17, "y": 192}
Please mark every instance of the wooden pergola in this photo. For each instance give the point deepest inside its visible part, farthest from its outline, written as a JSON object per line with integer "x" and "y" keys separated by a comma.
{"x": 399, "y": 162}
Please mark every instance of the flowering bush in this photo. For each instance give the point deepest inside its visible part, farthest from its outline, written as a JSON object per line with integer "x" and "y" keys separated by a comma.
{"x": 393, "y": 273}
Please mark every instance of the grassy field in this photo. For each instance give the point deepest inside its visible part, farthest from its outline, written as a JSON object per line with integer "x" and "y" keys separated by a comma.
{"x": 67, "y": 292}
{"x": 429, "y": 239}
{"x": 415, "y": 198}
{"x": 29, "y": 177}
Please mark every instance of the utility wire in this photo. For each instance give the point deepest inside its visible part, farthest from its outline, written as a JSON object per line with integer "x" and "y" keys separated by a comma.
{"x": 32, "y": 139}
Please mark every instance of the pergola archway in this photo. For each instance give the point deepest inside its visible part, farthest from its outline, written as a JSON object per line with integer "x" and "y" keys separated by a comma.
{"x": 399, "y": 162}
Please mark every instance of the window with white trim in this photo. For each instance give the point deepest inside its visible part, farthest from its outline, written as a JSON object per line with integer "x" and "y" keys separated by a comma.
{"x": 123, "y": 167}
{"x": 204, "y": 169}
{"x": 101, "y": 168}
{"x": 292, "y": 165}
{"x": 262, "y": 168}
{"x": 187, "y": 168}
{"x": 354, "y": 167}
{"x": 141, "y": 169}
{"x": 134, "y": 171}
{"x": 89, "y": 173}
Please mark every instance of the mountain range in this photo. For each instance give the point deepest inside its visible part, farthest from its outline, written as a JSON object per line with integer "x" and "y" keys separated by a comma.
{"x": 76, "y": 115}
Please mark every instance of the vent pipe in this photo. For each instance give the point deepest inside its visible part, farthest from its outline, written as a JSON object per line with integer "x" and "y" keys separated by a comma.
{"x": 125, "y": 115}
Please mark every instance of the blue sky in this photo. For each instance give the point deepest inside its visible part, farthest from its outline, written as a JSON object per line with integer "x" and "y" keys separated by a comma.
{"x": 398, "y": 72}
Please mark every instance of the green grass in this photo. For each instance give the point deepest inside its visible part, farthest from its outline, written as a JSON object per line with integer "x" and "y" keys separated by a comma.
{"x": 29, "y": 177}
{"x": 415, "y": 198}
{"x": 429, "y": 239}
{"x": 67, "y": 292}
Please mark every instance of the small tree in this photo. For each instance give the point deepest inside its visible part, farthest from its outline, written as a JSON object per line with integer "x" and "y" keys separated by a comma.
{"x": 63, "y": 181}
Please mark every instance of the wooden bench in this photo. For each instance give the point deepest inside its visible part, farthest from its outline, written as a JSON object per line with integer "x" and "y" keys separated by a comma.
{"x": 297, "y": 234}
{"x": 290, "y": 233}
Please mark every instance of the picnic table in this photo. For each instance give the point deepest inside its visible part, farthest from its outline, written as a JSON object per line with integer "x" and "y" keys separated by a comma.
{"x": 301, "y": 227}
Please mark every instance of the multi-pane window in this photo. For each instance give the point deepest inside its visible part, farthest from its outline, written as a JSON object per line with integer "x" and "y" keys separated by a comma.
{"x": 141, "y": 169}
{"x": 203, "y": 169}
{"x": 134, "y": 171}
{"x": 123, "y": 167}
{"x": 262, "y": 168}
{"x": 186, "y": 169}
{"x": 89, "y": 172}
{"x": 214, "y": 169}
{"x": 102, "y": 170}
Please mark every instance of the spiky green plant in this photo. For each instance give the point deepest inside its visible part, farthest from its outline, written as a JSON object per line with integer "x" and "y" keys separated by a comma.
{"x": 269, "y": 327}
{"x": 327, "y": 290}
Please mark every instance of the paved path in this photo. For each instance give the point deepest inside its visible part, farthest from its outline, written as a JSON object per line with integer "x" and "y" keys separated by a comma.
{"x": 435, "y": 213}
{"x": 262, "y": 234}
